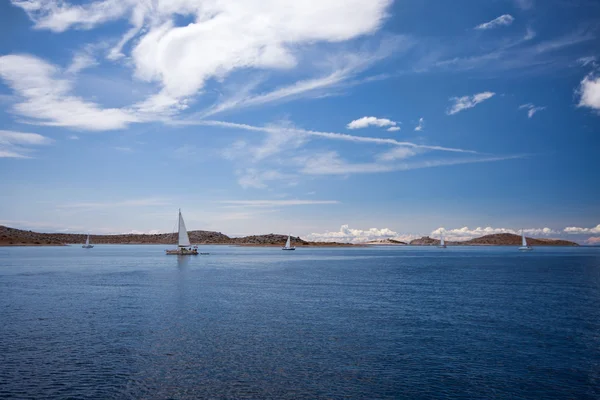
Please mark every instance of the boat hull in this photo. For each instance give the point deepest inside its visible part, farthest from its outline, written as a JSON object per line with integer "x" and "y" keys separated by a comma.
{"x": 525, "y": 248}
{"x": 182, "y": 252}
{"x": 442, "y": 247}
{"x": 288, "y": 248}
{"x": 88, "y": 246}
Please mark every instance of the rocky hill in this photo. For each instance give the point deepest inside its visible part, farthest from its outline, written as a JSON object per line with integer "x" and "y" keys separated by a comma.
{"x": 499, "y": 239}
{"x": 18, "y": 237}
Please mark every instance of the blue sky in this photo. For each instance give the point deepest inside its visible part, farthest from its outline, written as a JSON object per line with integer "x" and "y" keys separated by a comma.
{"x": 385, "y": 118}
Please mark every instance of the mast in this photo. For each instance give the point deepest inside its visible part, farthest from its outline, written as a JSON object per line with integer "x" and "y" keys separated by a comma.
{"x": 287, "y": 243}
{"x": 87, "y": 241}
{"x": 524, "y": 241}
{"x": 442, "y": 239}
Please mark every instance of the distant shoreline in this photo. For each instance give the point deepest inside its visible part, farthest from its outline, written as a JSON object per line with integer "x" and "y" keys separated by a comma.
{"x": 10, "y": 237}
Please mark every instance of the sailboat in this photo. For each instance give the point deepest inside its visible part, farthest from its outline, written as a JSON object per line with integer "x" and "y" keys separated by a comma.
{"x": 87, "y": 244}
{"x": 288, "y": 244}
{"x": 442, "y": 243}
{"x": 183, "y": 241}
{"x": 524, "y": 246}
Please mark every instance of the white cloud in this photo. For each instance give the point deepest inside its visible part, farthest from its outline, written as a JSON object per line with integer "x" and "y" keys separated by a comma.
{"x": 365, "y": 122}
{"x": 393, "y": 129}
{"x": 277, "y": 203}
{"x": 17, "y": 144}
{"x": 46, "y": 98}
{"x": 465, "y": 233}
{"x": 74, "y": 137}
{"x": 589, "y": 90}
{"x": 348, "y": 235}
{"x": 222, "y": 37}
{"x": 466, "y": 102}
{"x": 531, "y": 109}
{"x": 582, "y": 231}
{"x": 421, "y": 125}
{"x": 503, "y": 20}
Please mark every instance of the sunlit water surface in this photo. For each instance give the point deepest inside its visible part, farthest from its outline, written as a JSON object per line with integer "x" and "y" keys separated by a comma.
{"x": 130, "y": 322}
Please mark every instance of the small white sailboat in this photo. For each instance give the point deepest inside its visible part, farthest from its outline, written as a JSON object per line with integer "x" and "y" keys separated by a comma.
{"x": 524, "y": 246}
{"x": 288, "y": 244}
{"x": 442, "y": 243}
{"x": 87, "y": 244}
{"x": 184, "y": 248}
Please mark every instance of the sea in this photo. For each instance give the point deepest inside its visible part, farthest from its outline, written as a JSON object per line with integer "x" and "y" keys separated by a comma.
{"x": 129, "y": 322}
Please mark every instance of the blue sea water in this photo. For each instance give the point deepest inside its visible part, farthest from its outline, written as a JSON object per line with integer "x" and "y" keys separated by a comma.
{"x": 128, "y": 322}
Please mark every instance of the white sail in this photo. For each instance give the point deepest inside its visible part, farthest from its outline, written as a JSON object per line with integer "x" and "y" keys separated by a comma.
{"x": 442, "y": 243}
{"x": 184, "y": 239}
{"x": 287, "y": 244}
{"x": 87, "y": 241}
{"x": 524, "y": 243}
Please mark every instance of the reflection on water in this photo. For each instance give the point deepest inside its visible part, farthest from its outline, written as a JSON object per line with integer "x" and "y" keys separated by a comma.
{"x": 131, "y": 322}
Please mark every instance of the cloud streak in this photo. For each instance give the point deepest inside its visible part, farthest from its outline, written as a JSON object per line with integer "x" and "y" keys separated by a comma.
{"x": 17, "y": 144}
{"x": 466, "y": 102}
{"x": 503, "y": 20}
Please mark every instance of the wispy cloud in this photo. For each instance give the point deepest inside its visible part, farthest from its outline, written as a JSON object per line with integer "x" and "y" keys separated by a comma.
{"x": 277, "y": 203}
{"x": 365, "y": 122}
{"x": 531, "y": 109}
{"x": 46, "y": 99}
{"x": 81, "y": 61}
{"x": 324, "y": 135}
{"x": 421, "y": 125}
{"x": 73, "y": 137}
{"x": 18, "y": 144}
{"x": 344, "y": 66}
{"x": 330, "y": 163}
{"x": 466, "y": 102}
{"x": 503, "y": 20}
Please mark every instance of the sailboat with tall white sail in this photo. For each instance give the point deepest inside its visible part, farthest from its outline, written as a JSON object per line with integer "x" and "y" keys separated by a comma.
{"x": 442, "y": 243}
{"x": 87, "y": 244}
{"x": 524, "y": 246}
{"x": 288, "y": 244}
{"x": 184, "y": 248}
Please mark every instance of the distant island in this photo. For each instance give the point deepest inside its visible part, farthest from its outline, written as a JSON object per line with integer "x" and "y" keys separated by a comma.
{"x": 18, "y": 237}
{"x": 498, "y": 239}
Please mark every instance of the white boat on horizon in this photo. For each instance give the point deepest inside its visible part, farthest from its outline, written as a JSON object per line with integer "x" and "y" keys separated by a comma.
{"x": 442, "y": 243}
{"x": 524, "y": 246}
{"x": 87, "y": 244}
{"x": 184, "y": 248}
{"x": 288, "y": 244}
